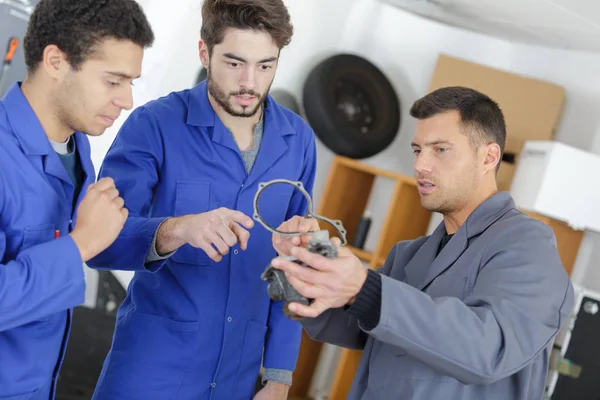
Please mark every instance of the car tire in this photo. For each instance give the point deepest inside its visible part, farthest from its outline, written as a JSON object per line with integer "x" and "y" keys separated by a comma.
{"x": 351, "y": 106}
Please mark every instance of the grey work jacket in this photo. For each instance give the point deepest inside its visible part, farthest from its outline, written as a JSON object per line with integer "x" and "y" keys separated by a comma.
{"x": 475, "y": 322}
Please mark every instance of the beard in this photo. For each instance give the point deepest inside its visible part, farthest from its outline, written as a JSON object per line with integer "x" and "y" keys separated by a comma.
{"x": 451, "y": 198}
{"x": 442, "y": 203}
{"x": 69, "y": 104}
{"x": 223, "y": 99}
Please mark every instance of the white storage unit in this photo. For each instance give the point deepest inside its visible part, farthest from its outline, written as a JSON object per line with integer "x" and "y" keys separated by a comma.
{"x": 559, "y": 181}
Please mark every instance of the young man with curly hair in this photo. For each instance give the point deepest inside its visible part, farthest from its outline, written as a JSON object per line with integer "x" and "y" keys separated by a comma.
{"x": 81, "y": 57}
{"x": 197, "y": 322}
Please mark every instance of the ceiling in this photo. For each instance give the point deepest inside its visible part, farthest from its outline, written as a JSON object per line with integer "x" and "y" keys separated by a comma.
{"x": 572, "y": 24}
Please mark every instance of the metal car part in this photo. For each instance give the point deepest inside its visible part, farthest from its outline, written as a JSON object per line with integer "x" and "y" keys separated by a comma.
{"x": 278, "y": 288}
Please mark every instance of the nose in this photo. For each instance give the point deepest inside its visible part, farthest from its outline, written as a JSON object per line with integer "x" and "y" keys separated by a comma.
{"x": 248, "y": 78}
{"x": 422, "y": 164}
{"x": 125, "y": 99}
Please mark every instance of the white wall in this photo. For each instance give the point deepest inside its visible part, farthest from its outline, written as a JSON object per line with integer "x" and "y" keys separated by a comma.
{"x": 171, "y": 64}
{"x": 406, "y": 48}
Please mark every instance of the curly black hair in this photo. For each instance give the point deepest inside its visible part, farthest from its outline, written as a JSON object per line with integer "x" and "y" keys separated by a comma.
{"x": 76, "y": 26}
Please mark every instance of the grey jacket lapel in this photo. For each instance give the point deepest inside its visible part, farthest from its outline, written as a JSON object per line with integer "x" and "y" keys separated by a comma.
{"x": 424, "y": 267}
{"x": 449, "y": 254}
{"x": 417, "y": 268}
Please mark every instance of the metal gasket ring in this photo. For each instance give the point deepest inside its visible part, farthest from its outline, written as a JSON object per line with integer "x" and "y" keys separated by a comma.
{"x": 337, "y": 224}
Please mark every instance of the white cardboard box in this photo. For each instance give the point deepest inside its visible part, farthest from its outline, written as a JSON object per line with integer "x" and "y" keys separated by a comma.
{"x": 559, "y": 181}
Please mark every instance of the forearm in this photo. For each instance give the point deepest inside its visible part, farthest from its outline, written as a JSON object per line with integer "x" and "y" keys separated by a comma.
{"x": 474, "y": 343}
{"x": 43, "y": 280}
{"x": 131, "y": 248}
{"x": 170, "y": 235}
{"x": 153, "y": 254}
{"x": 338, "y": 327}
{"x": 366, "y": 307}
{"x": 273, "y": 390}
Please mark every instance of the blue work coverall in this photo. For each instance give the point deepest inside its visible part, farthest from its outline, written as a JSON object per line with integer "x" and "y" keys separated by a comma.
{"x": 41, "y": 276}
{"x": 191, "y": 328}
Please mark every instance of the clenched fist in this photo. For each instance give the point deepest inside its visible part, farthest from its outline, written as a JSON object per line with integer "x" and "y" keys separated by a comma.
{"x": 100, "y": 218}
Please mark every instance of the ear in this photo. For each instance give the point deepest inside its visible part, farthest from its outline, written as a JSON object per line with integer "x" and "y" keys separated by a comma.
{"x": 203, "y": 50}
{"x": 55, "y": 62}
{"x": 492, "y": 157}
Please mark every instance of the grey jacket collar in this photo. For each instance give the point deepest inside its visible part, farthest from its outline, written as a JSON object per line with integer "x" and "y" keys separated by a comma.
{"x": 424, "y": 267}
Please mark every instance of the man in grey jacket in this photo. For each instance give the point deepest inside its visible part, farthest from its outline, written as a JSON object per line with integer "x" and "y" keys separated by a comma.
{"x": 469, "y": 312}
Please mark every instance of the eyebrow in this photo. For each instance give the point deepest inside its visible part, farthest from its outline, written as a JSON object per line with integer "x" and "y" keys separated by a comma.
{"x": 432, "y": 143}
{"x": 122, "y": 75}
{"x": 240, "y": 59}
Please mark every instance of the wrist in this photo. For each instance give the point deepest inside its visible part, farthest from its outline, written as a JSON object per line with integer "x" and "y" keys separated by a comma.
{"x": 360, "y": 282}
{"x": 82, "y": 246}
{"x": 171, "y": 234}
{"x": 367, "y": 305}
{"x": 277, "y": 387}
{"x": 179, "y": 228}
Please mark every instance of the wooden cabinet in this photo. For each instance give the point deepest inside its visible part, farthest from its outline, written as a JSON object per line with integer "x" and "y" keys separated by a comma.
{"x": 567, "y": 239}
{"x": 345, "y": 197}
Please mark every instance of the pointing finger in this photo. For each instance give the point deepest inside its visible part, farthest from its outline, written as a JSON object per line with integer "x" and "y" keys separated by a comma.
{"x": 241, "y": 218}
{"x": 242, "y": 235}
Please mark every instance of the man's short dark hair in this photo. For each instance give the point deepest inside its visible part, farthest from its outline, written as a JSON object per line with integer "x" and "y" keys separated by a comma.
{"x": 271, "y": 16}
{"x": 77, "y": 26}
{"x": 480, "y": 115}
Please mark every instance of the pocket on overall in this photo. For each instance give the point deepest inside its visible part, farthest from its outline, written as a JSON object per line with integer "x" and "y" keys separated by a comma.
{"x": 251, "y": 359}
{"x": 38, "y": 234}
{"x": 149, "y": 356}
{"x": 192, "y": 197}
{"x": 33, "y": 236}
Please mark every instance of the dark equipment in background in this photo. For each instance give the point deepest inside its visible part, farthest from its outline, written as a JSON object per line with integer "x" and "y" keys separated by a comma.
{"x": 13, "y": 44}
{"x": 90, "y": 340}
{"x": 202, "y": 75}
{"x": 14, "y": 16}
{"x": 362, "y": 230}
{"x": 580, "y": 367}
{"x": 285, "y": 99}
{"x": 351, "y": 106}
{"x": 89, "y": 343}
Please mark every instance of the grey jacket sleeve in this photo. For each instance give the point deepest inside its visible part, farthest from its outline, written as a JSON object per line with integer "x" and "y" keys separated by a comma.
{"x": 519, "y": 301}
{"x": 336, "y": 326}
